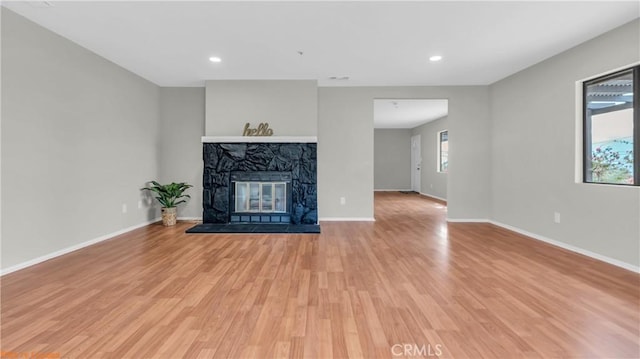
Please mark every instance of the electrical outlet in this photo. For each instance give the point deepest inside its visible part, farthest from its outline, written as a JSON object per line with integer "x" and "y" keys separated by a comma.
{"x": 124, "y": 208}
{"x": 343, "y": 201}
{"x": 139, "y": 204}
{"x": 431, "y": 185}
{"x": 556, "y": 217}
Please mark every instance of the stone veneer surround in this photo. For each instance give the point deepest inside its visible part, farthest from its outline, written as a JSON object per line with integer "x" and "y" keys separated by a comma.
{"x": 220, "y": 159}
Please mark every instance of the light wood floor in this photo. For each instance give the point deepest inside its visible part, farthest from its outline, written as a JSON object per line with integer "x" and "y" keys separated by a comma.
{"x": 356, "y": 290}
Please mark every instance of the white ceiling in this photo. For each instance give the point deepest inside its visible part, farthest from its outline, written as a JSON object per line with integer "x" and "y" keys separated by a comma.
{"x": 397, "y": 113}
{"x": 373, "y": 43}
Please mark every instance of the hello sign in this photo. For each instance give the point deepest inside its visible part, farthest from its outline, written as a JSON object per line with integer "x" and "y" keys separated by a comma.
{"x": 262, "y": 130}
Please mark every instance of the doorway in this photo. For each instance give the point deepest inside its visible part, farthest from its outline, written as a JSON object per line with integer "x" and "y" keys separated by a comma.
{"x": 406, "y": 145}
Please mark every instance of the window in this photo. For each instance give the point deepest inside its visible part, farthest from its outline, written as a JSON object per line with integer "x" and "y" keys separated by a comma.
{"x": 443, "y": 151}
{"x": 612, "y": 129}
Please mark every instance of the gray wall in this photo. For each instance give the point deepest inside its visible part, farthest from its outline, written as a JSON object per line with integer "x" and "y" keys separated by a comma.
{"x": 181, "y": 128}
{"x": 345, "y": 148}
{"x": 81, "y": 135}
{"x": 392, "y": 159}
{"x": 432, "y": 182}
{"x": 79, "y": 139}
{"x": 289, "y": 106}
{"x": 345, "y": 153}
{"x": 534, "y": 153}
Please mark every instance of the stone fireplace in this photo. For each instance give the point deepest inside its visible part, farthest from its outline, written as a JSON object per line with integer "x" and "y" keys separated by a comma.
{"x": 263, "y": 180}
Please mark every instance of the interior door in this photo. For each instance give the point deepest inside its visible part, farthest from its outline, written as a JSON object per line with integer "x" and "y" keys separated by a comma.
{"x": 416, "y": 163}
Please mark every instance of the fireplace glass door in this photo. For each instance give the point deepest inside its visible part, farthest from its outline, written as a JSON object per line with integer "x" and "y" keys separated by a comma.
{"x": 261, "y": 197}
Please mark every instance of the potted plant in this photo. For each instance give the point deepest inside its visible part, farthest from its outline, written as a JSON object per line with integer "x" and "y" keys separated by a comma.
{"x": 170, "y": 196}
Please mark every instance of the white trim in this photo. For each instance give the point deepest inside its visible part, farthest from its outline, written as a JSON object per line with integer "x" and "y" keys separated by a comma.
{"x": 73, "y": 248}
{"x": 347, "y": 219}
{"x": 432, "y": 196}
{"x": 392, "y": 190}
{"x": 468, "y": 220}
{"x": 571, "y": 248}
{"x": 189, "y": 218}
{"x": 259, "y": 139}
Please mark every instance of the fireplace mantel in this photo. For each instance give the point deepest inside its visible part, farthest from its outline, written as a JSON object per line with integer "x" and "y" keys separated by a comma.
{"x": 259, "y": 139}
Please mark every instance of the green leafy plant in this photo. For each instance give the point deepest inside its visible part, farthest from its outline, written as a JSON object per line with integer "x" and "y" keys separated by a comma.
{"x": 169, "y": 195}
{"x": 609, "y": 166}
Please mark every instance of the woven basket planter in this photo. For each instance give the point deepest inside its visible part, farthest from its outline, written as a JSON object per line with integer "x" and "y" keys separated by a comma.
{"x": 169, "y": 216}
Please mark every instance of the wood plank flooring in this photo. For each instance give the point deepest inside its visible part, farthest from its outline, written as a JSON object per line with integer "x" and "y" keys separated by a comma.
{"x": 408, "y": 285}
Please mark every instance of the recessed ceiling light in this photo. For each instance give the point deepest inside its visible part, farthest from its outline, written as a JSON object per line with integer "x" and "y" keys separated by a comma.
{"x": 215, "y": 59}
{"x": 435, "y": 58}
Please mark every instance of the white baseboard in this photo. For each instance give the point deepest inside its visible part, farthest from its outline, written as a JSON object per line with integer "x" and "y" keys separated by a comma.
{"x": 391, "y": 190}
{"x": 347, "y": 219}
{"x": 189, "y": 218}
{"x": 569, "y": 247}
{"x": 73, "y": 248}
{"x": 432, "y": 196}
{"x": 470, "y": 220}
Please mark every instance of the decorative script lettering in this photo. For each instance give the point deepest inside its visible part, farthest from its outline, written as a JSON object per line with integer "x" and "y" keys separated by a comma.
{"x": 262, "y": 130}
